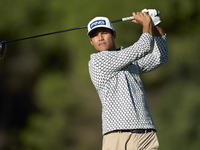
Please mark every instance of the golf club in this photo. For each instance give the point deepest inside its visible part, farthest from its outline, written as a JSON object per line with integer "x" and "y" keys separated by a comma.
{"x": 3, "y": 44}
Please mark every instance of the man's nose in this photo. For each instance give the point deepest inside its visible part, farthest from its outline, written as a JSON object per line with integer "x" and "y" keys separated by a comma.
{"x": 100, "y": 36}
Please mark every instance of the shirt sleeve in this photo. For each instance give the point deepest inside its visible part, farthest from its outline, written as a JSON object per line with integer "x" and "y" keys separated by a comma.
{"x": 111, "y": 61}
{"x": 158, "y": 56}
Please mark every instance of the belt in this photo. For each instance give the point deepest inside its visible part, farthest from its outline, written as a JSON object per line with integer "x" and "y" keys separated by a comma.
{"x": 133, "y": 131}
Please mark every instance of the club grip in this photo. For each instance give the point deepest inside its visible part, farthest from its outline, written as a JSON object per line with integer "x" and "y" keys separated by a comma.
{"x": 132, "y": 18}
{"x": 128, "y": 18}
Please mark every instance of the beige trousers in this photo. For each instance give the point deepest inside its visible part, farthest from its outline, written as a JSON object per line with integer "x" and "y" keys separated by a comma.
{"x": 130, "y": 141}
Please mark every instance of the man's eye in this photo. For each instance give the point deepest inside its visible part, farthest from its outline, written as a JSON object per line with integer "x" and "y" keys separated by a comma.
{"x": 93, "y": 35}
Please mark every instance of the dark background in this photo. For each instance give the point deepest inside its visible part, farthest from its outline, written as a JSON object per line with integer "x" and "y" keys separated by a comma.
{"x": 47, "y": 100}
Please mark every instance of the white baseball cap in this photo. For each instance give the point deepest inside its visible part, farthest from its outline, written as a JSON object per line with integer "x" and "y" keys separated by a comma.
{"x": 99, "y": 22}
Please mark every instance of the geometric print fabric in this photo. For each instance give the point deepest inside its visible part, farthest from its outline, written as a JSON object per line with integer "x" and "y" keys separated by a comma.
{"x": 116, "y": 77}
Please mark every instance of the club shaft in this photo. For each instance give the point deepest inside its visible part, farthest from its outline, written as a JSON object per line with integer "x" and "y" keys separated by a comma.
{"x": 46, "y": 34}
{"x": 118, "y": 20}
{"x": 26, "y": 38}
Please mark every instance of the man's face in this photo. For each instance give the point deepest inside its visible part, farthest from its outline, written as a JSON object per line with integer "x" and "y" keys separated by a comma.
{"x": 102, "y": 39}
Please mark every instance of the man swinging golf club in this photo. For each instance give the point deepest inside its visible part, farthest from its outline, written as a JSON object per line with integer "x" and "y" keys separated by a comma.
{"x": 126, "y": 119}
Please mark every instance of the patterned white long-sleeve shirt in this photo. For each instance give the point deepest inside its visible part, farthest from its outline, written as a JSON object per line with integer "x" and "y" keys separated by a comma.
{"x": 116, "y": 77}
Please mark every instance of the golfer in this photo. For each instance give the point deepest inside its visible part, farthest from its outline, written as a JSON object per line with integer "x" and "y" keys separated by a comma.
{"x": 126, "y": 119}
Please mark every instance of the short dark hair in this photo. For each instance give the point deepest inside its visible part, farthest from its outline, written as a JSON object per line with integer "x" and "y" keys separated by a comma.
{"x": 112, "y": 32}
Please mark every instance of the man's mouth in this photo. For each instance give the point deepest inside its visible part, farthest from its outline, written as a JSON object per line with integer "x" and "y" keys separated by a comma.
{"x": 101, "y": 44}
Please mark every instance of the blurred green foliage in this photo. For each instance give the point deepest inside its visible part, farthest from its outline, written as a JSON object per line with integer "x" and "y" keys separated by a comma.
{"x": 47, "y": 100}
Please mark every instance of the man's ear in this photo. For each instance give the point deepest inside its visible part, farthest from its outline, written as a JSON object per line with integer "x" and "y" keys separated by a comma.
{"x": 114, "y": 34}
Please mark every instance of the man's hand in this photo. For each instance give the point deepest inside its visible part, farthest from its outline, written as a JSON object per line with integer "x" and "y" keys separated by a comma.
{"x": 158, "y": 30}
{"x": 154, "y": 16}
{"x": 143, "y": 19}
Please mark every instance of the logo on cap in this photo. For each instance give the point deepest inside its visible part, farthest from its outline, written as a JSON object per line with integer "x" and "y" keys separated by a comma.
{"x": 97, "y": 22}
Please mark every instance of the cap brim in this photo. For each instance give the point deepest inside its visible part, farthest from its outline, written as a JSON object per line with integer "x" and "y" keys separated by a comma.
{"x": 89, "y": 33}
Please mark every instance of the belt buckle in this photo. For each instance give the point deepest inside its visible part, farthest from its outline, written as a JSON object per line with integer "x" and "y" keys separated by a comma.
{"x": 141, "y": 130}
